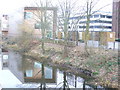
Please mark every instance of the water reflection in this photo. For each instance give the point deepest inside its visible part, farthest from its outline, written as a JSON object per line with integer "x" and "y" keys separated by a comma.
{"x": 31, "y": 71}
{"x": 38, "y": 72}
{"x": 5, "y": 60}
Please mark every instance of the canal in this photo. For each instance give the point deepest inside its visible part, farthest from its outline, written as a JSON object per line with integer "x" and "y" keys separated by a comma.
{"x": 30, "y": 71}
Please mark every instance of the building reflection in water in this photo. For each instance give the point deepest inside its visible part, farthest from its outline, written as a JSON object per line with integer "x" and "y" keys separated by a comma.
{"x": 40, "y": 73}
{"x": 5, "y": 59}
{"x": 31, "y": 71}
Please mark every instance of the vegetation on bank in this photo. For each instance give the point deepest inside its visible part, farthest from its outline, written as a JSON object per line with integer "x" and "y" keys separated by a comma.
{"x": 102, "y": 63}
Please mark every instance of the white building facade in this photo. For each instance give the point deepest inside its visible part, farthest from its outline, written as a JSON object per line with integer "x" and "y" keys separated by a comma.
{"x": 99, "y": 22}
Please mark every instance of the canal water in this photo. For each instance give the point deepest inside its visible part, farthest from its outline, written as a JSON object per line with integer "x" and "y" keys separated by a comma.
{"x": 30, "y": 71}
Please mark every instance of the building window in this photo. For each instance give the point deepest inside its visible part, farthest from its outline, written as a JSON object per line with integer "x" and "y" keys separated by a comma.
{"x": 111, "y": 35}
{"x": 95, "y": 26}
{"x": 91, "y": 16}
{"x": 82, "y": 26}
{"x": 109, "y": 16}
{"x": 83, "y": 17}
{"x": 29, "y": 73}
{"x": 82, "y": 22}
{"x": 48, "y": 72}
{"x": 49, "y": 34}
{"x": 37, "y": 26}
{"x": 102, "y": 16}
{"x": 28, "y": 15}
{"x": 91, "y": 26}
{"x": 96, "y": 16}
{"x": 69, "y": 27}
{"x": 37, "y": 65}
{"x": 109, "y": 27}
{"x": 93, "y": 21}
{"x": 100, "y": 21}
{"x": 71, "y": 79}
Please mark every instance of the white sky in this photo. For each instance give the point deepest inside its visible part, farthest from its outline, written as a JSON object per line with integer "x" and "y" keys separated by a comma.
{"x": 8, "y": 6}
{"x": 14, "y": 9}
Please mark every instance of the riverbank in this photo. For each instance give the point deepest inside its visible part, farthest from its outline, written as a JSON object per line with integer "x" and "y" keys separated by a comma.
{"x": 101, "y": 64}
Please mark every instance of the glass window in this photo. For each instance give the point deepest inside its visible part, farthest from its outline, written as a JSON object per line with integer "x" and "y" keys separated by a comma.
{"x": 109, "y": 16}
{"x": 68, "y": 26}
{"x": 37, "y": 26}
{"x": 102, "y": 16}
{"x": 94, "y": 21}
{"x": 96, "y": 26}
{"x": 109, "y": 22}
{"x": 91, "y": 16}
{"x": 96, "y": 16}
{"x": 83, "y": 17}
{"x": 101, "y": 21}
{"x": 24, "y": 15}
{"x": 28, "y": 15}
{"x": 91, "y": 26}
{"x": 82, "y": 22}
{"x": 5, "y": 57}
{"x": 111, "y": 35}
{"x": 82, "y": 26}
{"x": 37, "y": 65}
{"x": 48, "y": 72}
{"x": 49, "y": 34}
{"x": 91, "y": 21}
{"x": 109, "y": 27}
{"x": 29, "y": 73}
{"x": 71, "y": 79}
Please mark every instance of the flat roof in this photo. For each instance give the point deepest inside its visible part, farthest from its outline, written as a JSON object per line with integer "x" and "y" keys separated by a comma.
{"x": 40, "y": 8}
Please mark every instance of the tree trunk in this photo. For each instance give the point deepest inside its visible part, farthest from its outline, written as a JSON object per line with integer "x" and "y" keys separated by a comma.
{"x": 64, "y": 82}
{"x": 43, "y": 50}
{"x": 65, "y": 54}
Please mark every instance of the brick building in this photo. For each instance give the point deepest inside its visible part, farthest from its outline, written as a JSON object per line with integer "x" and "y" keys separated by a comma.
{"x": 33, "y": 16}
{"x": 116, "y": 18}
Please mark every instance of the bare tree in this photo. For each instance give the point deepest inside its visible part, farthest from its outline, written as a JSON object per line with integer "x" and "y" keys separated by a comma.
{"x": 43, "y": 18}
{"x": 24, "y": 41}
{"x": 67, "y": 9}
{"x": 89, "y": 11}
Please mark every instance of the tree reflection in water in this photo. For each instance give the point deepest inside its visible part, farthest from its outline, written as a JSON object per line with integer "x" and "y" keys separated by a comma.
{"x": 30, "y": 71}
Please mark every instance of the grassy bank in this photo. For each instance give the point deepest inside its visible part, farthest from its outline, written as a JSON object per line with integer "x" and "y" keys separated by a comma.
{"x": 100, "y": 64}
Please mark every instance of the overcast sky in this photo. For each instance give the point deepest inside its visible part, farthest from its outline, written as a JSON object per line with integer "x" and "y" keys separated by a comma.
{"x": 14, "y": 8}
{"x": 8, "y": 6}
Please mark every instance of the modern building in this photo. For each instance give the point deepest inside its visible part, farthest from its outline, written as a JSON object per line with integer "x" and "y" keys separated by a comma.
{"x": 34, "y": 16}
{"x": 99, "y": 22}
{"x": 116, "y": 18}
